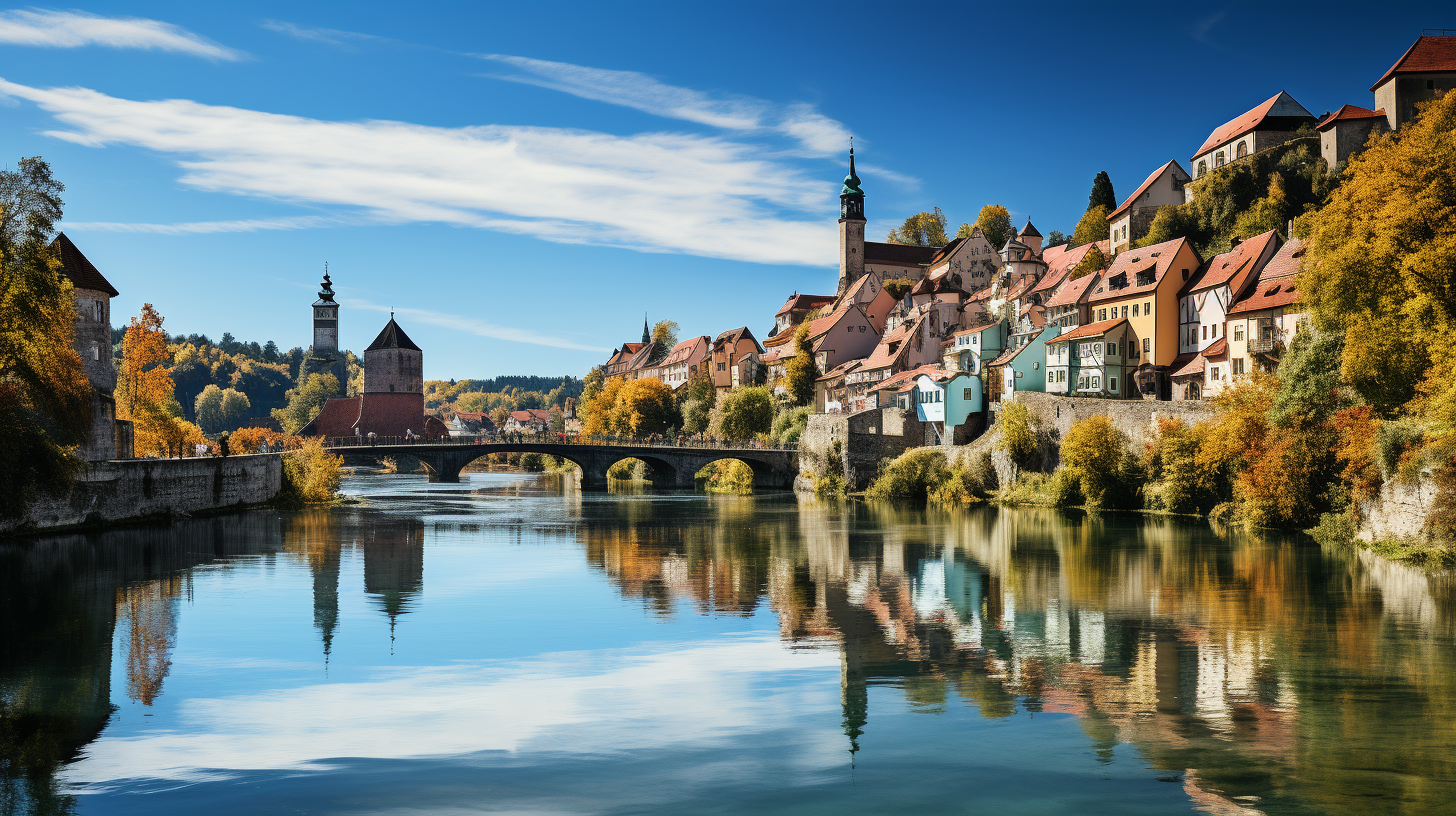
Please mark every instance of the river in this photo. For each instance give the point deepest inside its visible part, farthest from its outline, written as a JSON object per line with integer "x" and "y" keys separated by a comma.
{"x": 508, "y": 645}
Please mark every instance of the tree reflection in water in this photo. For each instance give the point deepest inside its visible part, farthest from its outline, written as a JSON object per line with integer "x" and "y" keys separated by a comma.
{"x": 1260, "y": 670}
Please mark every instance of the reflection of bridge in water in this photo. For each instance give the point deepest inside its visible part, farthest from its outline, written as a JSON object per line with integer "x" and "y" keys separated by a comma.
{"x": 670, "y": 465}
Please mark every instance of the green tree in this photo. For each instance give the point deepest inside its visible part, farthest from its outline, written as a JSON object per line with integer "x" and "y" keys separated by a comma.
{"x": 1056, "y": 238}
{"x": 1102, "y": 195}
{"x": 1171, "y": 222}
{"x": 208, "y": 409}
{"x": 45, "y": 398}
{"x": 664, "y": 334}
{"x": 1019, "y": 436}
{"x": 592, "y": 383}
{"x": 743, "y": 413}
{"x": 994, "y": 221}
{"x": 234, "y": 409}
{"x": 1092, "y": 228}
{"x": 305, "y": 402}
{"x": 921, "y": 229}
{"x": 801, "y": 371}
{"x": 1093, "y": 452}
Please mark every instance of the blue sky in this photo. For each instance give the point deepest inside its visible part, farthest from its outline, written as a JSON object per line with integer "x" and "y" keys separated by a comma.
{"x": 522, "y": 181}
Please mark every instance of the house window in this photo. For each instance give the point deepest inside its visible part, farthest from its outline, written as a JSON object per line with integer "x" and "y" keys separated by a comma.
{"x": 1051, "y": 377}
{"x": 1101, "y": 314}
{"x": 1096, "y": 383}
{"x": 1112, "y": 384}
{"x": 1147, "y": 344}
{"x": 1147, "y": 307}
{"x": 95, "y": 352}
{"x": 861, "y": 329}
{"x": 99, "y": 312}
{"x": 1205, "y": 332}
{"x": 1219, "y": 160}
{"x": 1134, "y": 310}
{"x": 1238, "y": 365}
{"x": 1215, "y": 331}
{"x": 720, "y": 366}
{"x": 1035, "y": 365}
{"x": 1111, "y": 349}
{"x": 1124, "y": 311}
{"x": 1243, "y": 150}
{"x": 849, "y": 329}
{"x": 1238, "y": 332}
{"x": 1202, "y": 168}
{"x": 966, "y": 394}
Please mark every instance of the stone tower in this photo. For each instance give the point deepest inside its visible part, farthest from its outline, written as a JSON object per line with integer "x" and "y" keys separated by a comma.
{"x": 393, "y": 364}
{"x": 851, "y": 229}
{"x": 107, "y": 439}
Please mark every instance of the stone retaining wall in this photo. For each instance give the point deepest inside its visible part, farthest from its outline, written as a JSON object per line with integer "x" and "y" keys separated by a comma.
{"x": 1400, "y": 512}
{"x": 142, "y": 488}
{"x": 1136, "y": 418}
{"x": 864, "y": 439}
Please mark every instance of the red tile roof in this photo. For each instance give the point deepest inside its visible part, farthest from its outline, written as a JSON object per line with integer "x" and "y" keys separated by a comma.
{"x": 336, "y": 419}
{"x": 1244, "y": 123}
{"x": 1186, "y": 364}
{"x": 1235, "y": 266}
{"x": 1217, "y": 348}
{"x": 946, "y": 251}
{"x": 527, "y": 415}
{"x": 1073, "y": 292}
{"x": 1089, "y": 330}
{"x": 977, "y": 329}
{"x": 797, "y": 302}
{"x": 1052, "y": 252}
{"x": 1276, "y": 283}
{"x": 392, "y": 414}
{"x": 1349, "y": 112}
{"x": 839, "y": 371}
{"x": 1059, "y": 266}
{"x": 682, "y": 352}
{"x": 899, "y": 254}
{"x": 896, "y": 380}
{"x": 1427, "y": 55}
{"x": 82, "y": 273}
{"x": 1129, "y": 262}
{"x": 1142, "y": 188}
{"x": 902, "y": 334}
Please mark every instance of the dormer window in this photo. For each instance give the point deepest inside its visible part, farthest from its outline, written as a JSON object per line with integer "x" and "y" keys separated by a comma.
{"x": 1145, "y": 277}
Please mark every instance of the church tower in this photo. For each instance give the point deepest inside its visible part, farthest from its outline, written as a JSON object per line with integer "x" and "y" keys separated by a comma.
{"x": 326, "y": 321}
{"x": 851, "y": 229}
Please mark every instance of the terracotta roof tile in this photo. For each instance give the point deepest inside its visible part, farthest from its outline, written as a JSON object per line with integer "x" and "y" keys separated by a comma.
{"x": 1187, "y": 364}
{"x": 1426, "y": 55}
{"x": 1217, "y": 348}
{"x": 1349, "y": 112}
{"x": 1059, "y": 266}
{"x": 1089, "y": 330}
{"x": 1276, "y": 285}
{"x": 1157, "y": 257}
{"x": 1142, "y": 188}
{"x": 797, "y": 302}
{"x": 1073, "y": 292}
{"x": 1235, "y": 266}
{"x": 1245, "y": 122}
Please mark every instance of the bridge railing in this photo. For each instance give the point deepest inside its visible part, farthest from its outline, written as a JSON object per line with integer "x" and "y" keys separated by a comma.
{"x": 552, "y": 439}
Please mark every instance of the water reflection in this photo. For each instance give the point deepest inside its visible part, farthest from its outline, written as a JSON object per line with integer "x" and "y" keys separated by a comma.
{"x": 1258, "y": 673}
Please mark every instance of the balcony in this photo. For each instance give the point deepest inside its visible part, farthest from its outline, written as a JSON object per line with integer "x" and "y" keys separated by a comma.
{"x": 1268, "y": 343}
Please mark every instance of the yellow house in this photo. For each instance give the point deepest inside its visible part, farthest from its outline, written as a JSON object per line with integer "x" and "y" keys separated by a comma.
{"x": 1142, "y": 287}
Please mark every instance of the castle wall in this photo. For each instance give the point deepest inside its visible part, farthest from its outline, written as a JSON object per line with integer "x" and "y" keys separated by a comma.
{"x": 394, "y": 371}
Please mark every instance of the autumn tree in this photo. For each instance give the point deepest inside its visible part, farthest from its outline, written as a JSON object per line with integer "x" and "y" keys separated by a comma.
{"x": 643, "y": 407}
{"x": 221, "y": 409}
{"x": 145, "y": 393}
{"x": 994, "y": 222}
{"x": 664, "y": 334}
{"x": 1093, "y": 261}
{"x": 306, "y": 401}
{"x": 801, "y": 371}
{"x": 592, "y": 383}
{"x": 1092, "y": 228}
{"x": 1102, "y": 195}
{"x": 1170, "y": 222}
{"x": 1380, "y": 268}
{"x": 743, "y": 413}
{"x": 45, "y": 398}
{"x": 1093, "y": 452}
{"x": 921, "y": 229}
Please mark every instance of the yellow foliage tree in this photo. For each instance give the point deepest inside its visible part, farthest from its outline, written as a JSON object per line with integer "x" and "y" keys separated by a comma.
{"x": 1093, "y": 453}
{"x": 145, "y": 392}
{"x": 1092, "y": 228}
{"x": 1381, "y": 263}
{"x": 801, "y": 371}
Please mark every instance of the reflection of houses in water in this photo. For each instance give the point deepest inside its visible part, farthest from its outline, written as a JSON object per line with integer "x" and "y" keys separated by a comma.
{"x": 394, "y": 565}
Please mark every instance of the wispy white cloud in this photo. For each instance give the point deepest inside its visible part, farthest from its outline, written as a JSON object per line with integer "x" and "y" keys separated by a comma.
{"x": 816, "y": 132}
{"x": 204, "y": 227}
{"x": 479, "y": 328}
{"x": 74, "y": 29}
{"x": 653, "y": 192}
{"x": 332, "y": 36}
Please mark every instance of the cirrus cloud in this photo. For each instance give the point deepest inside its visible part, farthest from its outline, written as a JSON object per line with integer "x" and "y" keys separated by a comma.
{"x": 74, "y": 29}
{"x": 654, "y": 192}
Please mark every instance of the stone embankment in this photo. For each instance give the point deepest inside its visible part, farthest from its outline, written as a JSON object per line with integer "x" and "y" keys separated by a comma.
{"x": 1400, "y": 512}
{"x": 152, "y": 488}
{"x": 865, "y": 438}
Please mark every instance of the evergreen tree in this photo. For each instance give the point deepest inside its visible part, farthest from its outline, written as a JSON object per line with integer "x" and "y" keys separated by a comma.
{"x": 1102, "y": 195}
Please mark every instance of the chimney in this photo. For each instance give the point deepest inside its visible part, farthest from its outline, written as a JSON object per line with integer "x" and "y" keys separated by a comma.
{"x": 1235, "y": 241}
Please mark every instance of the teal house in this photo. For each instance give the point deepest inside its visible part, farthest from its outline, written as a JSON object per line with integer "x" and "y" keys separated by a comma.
{"x": 949, "y": 401}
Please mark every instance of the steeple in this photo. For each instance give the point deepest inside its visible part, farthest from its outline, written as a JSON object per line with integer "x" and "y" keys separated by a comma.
{"x": 326, "y": 327}
{"x": 851, "y": 228}
{"x": 326, "y": 288}
{"x": 646, "y": 333}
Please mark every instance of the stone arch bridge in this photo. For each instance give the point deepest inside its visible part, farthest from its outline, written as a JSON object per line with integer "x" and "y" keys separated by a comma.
{"x": 669, "y": 466}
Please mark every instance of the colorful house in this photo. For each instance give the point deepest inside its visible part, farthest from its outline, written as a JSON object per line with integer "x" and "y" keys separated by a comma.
{"x": 1019, "y": 368}
{"x": 1142, "y": 286}
{"x": 1263, "y": 322}
{"x": 1096, "y": 360}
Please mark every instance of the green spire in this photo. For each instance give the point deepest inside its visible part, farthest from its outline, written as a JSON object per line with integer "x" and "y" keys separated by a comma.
{"x": 851, "y": 181}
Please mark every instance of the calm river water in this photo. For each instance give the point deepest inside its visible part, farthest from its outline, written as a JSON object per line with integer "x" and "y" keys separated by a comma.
{"x": 508, "y": 646}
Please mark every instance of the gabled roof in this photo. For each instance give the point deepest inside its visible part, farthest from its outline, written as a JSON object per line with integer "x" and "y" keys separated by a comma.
{"x": 1073, "y": 292}
{"x": 946, "y": 251}
{"x": 1187, "y": 364}
{"x": 82, "y": 273}
{"x": 1142, "y": 188}
{"x": 1051, "y": 253}
{"x": 1158, "y": 258}
{"x": 1347, "y": 112}
{"x": 798, "y": 302}
{"x": 977, "y": 329}
{"x": 1060, "y": 266}
{"x": 1217, "y": 348}
{"x": 733, "y": 336}
{"x": 900, "y": 254}
{"x": 1235, "y": 266}
{"x": 1028, "y": 230}
{"x": 895, "y": 381}
{"x": 839, "y": 371}
{"x": 1427, "y": 55}
{"x": 531, "y": 415}
{"x": 1009, "y": 354}
{"x": 683, "y": 351}
{"x": 1275, "y": 287}
{"x": 882, "y": 356}
{"x": 392, "y": 336}
{"x": 1089, "y": 330}
{"x": 1280, "y": 104}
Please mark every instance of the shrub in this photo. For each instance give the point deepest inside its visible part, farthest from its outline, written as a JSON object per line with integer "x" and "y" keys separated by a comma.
{"x": 533, "y": 462}
{"x": 250, "y": 440}
{"x": 985, "y": 472}
{"x": 1095, "y": 453}
{"x": 1177, "y": 483}
{"x": 831, "y": 483}
{"x": 743, "y": 413}
{"x": 1019, "y": 438}
{"x": 727, "y": 476}
{"x": 1393, "y": 441}
{"x": 957, "y": 488}
{"x": 789, "y": 424}
{"x": 311, "y": 475}
{"x": 911, "y": 476}
{"x": 1065, "y": 489}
